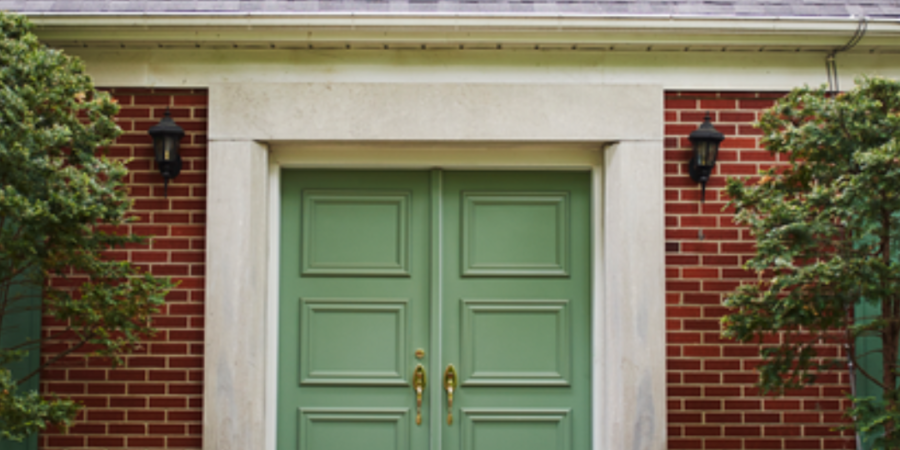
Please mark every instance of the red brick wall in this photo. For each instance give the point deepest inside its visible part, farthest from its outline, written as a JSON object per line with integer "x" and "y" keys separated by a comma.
{"x": 713, "y": 403}
{"x": 155, "y": 400}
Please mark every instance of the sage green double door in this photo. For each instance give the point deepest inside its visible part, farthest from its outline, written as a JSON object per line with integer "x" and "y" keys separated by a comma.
{"x": 384, "y": 271}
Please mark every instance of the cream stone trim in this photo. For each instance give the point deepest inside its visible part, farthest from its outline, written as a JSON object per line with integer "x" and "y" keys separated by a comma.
{"x": 429, "y": 155}
{"x": 373, "y": 112}
{"x": 441, "y": 155}
{"x": 274, "y": 253}
{"x": 674, "y": 70}
{"x": 628, "y": 304}
{"x": 632, "y": 334}
{"x": 234, "y": 384}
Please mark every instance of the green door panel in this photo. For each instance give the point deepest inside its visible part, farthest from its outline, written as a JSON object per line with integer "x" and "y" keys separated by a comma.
{"x": 354, "y": 341}
{"x": 489, "y": 271}
{"x": 515, "y": 342}
{"x": 486, "y": 429}
{"x": 354, "y": 429}
{"x": 355, "y": 232}
{"x": 514, "y": 233}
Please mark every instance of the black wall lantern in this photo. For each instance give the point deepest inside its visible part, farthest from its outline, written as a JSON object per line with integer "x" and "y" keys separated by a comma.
{"x": 166, "y": 138}
{"x": 706, "y": 141}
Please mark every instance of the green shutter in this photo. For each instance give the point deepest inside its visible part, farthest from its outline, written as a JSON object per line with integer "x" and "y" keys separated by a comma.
{"x": 871, "y": 363}
{"x": 21, "y": 324}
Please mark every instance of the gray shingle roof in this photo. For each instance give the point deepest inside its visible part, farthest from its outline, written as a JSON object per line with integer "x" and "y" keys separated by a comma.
{"x": 886, "y": 9}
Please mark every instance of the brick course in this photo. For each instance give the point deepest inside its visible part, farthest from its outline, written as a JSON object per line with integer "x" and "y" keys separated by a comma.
{"x": 713, "y": 403}
{"x": 155, "y": 399}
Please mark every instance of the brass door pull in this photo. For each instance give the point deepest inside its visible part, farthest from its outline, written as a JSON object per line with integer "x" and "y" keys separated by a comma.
{"x": 450, "y": 386}
{"x": 419, "y": 386}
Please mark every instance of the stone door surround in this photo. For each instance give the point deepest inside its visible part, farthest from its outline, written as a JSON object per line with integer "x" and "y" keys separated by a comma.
{"x": 613, "y": 130}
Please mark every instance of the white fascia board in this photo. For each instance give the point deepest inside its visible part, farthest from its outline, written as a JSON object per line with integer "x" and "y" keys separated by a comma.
{"x": 462, "y": 29}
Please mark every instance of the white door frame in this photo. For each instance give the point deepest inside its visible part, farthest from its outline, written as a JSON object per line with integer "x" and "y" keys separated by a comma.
{"x": 628, "y": 296}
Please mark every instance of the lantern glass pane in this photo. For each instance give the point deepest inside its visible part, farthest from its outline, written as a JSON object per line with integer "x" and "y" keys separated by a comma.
{"x": 169, "y": 150}
{"x": 158, "y": 147}
{"x": 706, "y": 153}
{"x": 713, "y": 150}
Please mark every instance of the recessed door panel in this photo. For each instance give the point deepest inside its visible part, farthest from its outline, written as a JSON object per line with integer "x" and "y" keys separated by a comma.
{"x": 354, "y": 341}
{"x": 515, "y": 342}
{"x": 515, "y": 234}
{"x": 355, "y": 232}
{"x": 354, "y": 429}
{"x": 516, "y": 429}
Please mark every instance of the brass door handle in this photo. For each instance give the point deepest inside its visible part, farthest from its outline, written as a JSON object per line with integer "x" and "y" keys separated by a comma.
{"x": 419, "y": 385}
{"x": 450, "y": 386}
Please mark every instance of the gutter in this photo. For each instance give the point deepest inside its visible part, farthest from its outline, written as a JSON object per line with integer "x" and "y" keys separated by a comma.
{"x": 420, "y": 28}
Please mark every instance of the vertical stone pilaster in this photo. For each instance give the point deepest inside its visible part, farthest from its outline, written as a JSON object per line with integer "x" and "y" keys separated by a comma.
{"x": 630, "y": 336}
{"x": 236, "y": 283}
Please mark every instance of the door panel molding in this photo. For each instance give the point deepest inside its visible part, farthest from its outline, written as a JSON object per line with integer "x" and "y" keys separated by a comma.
{"x": 539, "y": 254}
{"x": 380, "y": 220}
{"x": 310, "y": 439}
{"x": 515, "y": 345}
{"x": 336, "y": 349}
{"x": 522, "y": 424}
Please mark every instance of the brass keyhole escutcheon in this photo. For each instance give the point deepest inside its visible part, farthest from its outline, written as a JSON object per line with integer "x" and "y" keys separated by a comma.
{"x": 420, "y": 353}
{"x": 450, "y": 386}
{"x": 419, "y": 385}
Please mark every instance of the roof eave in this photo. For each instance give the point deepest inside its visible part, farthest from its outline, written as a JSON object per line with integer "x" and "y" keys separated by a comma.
{"x": 812, "y": 32}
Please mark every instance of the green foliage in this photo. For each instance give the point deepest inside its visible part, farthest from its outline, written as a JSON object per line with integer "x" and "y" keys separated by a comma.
{"x": 870, "y": 415}
{"x": 827, "y": 230}
{"x": 24, "y": 414}
{"x": 62, "y": 204}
